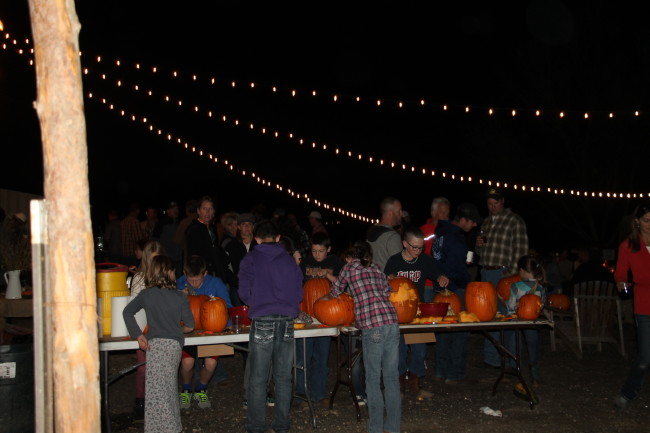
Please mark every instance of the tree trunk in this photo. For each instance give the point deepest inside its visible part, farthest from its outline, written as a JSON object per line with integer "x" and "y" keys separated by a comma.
{"x": 71, "y": 272}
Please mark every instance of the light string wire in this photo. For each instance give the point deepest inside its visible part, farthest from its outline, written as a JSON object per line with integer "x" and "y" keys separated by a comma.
{"x": 354, "y": 154}
{"x": 228, "y": 164}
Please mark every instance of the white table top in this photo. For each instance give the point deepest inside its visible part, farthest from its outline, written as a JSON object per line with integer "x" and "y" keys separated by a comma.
{"x": 466, "y": 326}
{"x": 120, "y": 343}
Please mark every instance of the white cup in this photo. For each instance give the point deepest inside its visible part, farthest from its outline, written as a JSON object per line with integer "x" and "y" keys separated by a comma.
{"x": 470, "y": 257}
{"x": 237, "y": 323}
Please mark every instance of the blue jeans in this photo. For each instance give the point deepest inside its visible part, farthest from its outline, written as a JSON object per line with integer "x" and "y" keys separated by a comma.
{"x": 415, "y": 362}
{"x": 532, "y": 343}
{"x": 490, "y": 354}
{"x": 318, "y": 351}
{"x": 451, "y": 354}
{"x": 270, "y": 344}
{"x": 638, "y": 371}
{"x": 380, "y": 355}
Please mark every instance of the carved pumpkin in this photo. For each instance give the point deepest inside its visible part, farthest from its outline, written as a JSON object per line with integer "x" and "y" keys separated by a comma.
{"x": 529, "y": 306}
{"x": 333, "y": 311}
{"x": 481, "y": 299}
{"x": 405, "y": 299}
{"x": 503, "y": 287}
{"x": 314, "y": 289}
{"x": 559, "y": 301}
{"x": 195, "y": 305}
{"x": 214, "y": 314}
{"x": 452, "y": 299}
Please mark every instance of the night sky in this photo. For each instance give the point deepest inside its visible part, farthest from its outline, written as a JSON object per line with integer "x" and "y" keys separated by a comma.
{"x": 540, "y": 55}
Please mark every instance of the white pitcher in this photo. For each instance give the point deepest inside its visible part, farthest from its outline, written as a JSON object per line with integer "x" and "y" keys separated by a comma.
{"x": 14, "y": 291}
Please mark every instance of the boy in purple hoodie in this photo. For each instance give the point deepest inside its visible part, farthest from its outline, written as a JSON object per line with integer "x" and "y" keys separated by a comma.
{"x": 270, "y": 283}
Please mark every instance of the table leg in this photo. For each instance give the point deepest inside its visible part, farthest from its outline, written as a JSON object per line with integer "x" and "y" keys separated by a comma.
{"x": 103, "y": 368}
{"x": 505, "y": 353}
{"x": 350, "y": 360}
{"x": 296, "y": 367}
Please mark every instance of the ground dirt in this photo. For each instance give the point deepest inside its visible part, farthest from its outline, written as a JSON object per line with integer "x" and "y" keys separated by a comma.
{"x": 574, "y": 396}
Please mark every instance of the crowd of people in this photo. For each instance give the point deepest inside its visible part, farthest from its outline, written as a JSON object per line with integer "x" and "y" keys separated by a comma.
{"x": 263, "y": 262}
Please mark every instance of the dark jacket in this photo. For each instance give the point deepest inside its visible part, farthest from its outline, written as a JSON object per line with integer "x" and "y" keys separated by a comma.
{"x": 199, "y": 241}
{"x": 449, "y": 249}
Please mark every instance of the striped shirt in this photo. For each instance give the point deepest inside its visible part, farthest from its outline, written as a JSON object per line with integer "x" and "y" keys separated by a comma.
{"x": 507, "y": 240}
{"x": 521, "y": 288}
{"x": 370, "y": 290}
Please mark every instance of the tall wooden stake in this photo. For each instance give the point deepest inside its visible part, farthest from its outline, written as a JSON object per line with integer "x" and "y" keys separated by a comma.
{"x": 71, "y": 272}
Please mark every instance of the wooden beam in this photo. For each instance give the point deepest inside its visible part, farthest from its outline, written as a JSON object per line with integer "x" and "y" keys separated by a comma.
{"x": 71, "y": 271}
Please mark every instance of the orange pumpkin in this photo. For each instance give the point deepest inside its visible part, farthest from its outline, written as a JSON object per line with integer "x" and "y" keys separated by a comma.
{"x": 405, "y": 299}
{"x": 214, "y": 314}
{"x": 559, "y": 301}
{"x": 529, "y": 306}
{"x": 333, "y": 311}
{"x": 452, "y": 299}
{"x": 481, "y": 299}
{"x": 503, "y": 287}
{"x": 314, "y": 289}
{"x": 195, "y": 305}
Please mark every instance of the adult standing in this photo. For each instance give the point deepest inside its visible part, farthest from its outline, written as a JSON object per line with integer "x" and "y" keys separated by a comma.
{"x": 503, "y": 240}
{"x": 316, "y": 222}
{"x": 439, "y": 211}
{"x": 164, "y": 232}
{"x": 238, "y": 248}
{"x": 450, "y": 252}
{"x": 634, "y": 259}
{"x": 384, "y": 240}
{"x": 131, "y": 233}
{"x": 201, "y": 240}
{"x": 190, "y": 215}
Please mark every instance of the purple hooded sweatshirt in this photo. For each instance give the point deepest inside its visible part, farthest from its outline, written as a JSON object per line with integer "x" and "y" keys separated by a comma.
{"x": 270, "y": 281}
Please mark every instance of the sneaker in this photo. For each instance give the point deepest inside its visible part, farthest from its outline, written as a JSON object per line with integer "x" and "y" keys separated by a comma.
{"x": 245, "y": 404}
{"x": 184, "y": 398}
{"x": 202, "y": 398}
{"x": 621, "y": 402}
{"x": 270, "y": 401}
{"x": 361, "y": 400}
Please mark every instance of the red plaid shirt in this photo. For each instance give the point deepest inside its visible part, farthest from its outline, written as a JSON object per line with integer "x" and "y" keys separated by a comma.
{"x": 370, "y": 290}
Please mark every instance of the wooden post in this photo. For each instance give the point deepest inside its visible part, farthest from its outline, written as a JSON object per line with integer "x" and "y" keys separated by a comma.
{"x": 71, "y": 270}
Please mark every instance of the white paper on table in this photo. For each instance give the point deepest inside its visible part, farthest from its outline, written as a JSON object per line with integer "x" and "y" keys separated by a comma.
{"x": 118, "y": 327}
{"x": 140, "y": 316}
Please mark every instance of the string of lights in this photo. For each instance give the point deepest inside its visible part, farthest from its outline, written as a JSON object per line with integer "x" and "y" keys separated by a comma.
{"x": 407, "y": 168}
{"x": 229, "y": 165}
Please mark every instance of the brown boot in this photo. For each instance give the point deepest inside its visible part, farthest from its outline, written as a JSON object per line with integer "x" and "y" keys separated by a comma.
{"x": 403, "y": 378}
{"x": 415, "y": 389}
{"x": 414, "y": 384}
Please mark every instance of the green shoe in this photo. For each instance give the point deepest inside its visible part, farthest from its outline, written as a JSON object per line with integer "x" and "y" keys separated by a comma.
{"x": 202, "y": 399}
{"x": 184, "y": 398}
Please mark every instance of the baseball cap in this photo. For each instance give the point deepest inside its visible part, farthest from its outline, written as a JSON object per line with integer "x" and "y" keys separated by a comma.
{"x": 315, "y": 214}
{"x": 468, "y": 211}
{"x": 245, "y": 217}
{"x": 494, "y": 193}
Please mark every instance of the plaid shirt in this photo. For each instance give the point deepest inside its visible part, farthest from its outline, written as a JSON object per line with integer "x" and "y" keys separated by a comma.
{"x": 131, "y": 232}
{"x": 370, "y": 290}
{"x": 507, "y": 240}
